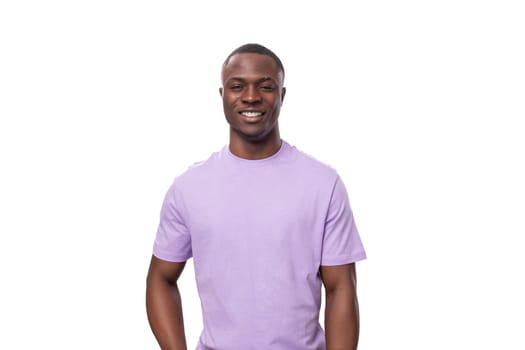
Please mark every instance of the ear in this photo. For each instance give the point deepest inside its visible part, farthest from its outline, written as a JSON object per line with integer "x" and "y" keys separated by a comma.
{"x": 220, "y": 91}
{"x": 283, "y": 92}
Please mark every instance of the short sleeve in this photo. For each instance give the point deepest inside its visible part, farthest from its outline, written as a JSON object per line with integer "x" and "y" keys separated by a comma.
{"x": 173, "y": 240}
{"x": 341, "y": 241}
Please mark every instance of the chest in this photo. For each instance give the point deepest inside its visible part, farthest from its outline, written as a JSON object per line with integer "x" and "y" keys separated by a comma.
{"x": 252, "y": 215}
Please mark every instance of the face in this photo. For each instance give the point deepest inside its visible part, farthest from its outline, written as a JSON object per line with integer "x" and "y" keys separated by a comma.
{"x": 252, "y": 96}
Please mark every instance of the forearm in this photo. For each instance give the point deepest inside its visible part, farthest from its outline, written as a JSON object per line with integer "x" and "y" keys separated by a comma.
{"x": 342, "y": 319}
{"x": 164, "y": 309}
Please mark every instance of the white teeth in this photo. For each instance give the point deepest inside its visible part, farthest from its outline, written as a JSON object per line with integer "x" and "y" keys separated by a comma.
{"x": 251, "y": 114}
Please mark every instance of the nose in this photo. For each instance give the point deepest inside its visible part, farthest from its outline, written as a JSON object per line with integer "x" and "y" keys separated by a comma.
{"x": 251, "y": 95}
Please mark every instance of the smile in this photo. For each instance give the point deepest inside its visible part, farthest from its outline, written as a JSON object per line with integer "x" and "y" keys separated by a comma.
{"x": 252, "y": 114}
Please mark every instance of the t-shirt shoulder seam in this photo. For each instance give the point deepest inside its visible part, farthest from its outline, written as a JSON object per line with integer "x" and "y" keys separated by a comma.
{"x": 317, "y": 163}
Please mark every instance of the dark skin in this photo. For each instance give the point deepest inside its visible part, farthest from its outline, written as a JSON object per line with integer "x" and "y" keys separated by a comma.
{"x": 252, "y": 95}
{"x": 252, "y": 83}
{"x": 164, "y": 305}
{"x": 342, "y": 308}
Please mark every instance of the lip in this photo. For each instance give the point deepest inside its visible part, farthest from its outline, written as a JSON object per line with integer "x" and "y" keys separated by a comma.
{"x": 251, "y": 119}
{"x": 251, "y": 111}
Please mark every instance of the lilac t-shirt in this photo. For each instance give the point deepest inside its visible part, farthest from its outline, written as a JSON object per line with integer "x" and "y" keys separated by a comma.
{"x": 258, "y": 230}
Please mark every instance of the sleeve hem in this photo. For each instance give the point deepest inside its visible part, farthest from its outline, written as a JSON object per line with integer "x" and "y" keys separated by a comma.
{"x": 171, "y": 258}
{"x": 344, "y": 260}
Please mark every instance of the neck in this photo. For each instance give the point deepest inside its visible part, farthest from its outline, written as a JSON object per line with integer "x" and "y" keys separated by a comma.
{"x": 254, "y": 150}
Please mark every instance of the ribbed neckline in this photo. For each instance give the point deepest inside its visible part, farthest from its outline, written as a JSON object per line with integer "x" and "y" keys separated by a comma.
{"x": 258, "y": 162}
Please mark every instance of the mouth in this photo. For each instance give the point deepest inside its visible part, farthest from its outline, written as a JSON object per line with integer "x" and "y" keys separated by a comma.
{"x": 252, "y": 116}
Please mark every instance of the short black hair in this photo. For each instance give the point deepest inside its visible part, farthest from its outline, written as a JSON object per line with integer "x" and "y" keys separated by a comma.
{"x": 255, "y": 48}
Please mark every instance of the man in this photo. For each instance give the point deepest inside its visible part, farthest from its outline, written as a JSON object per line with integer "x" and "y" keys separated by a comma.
{"x": 265, "y": 224}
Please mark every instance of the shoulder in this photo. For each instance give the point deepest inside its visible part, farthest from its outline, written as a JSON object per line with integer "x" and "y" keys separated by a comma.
{"x": 198, "y": 171}
{"x": 309, "y": 164}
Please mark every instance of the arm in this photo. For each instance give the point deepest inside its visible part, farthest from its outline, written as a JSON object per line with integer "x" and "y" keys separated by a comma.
{"x": 342, "y": 308}
{"x": 163, "y": 304}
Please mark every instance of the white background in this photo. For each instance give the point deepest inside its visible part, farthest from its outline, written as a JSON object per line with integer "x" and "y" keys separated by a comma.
{"x": 418, "y": 104}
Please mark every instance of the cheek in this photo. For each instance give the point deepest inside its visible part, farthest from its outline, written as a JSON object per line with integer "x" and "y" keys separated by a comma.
{"x": 276, "y": 104}
{"x": 229, "y": 101}
{"x": 226, "y": 103}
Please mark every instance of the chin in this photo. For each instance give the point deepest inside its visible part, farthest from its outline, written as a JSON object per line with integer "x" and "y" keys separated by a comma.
{"x": 253, "y": 137}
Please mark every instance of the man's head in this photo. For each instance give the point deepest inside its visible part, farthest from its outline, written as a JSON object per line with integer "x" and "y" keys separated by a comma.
{"x": 256, "y": 48}
{"x": 252, "y": 92}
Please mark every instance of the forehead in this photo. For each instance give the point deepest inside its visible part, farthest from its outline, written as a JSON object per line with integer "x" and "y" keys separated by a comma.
{"x": 251, "y": 66}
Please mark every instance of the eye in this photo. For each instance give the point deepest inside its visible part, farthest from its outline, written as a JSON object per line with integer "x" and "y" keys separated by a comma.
{"x": 235, "y": 87}
{"x": 267, "y": 87}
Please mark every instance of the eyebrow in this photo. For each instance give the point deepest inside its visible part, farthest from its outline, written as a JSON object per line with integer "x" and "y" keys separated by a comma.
{"x": 244, "y": 80}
